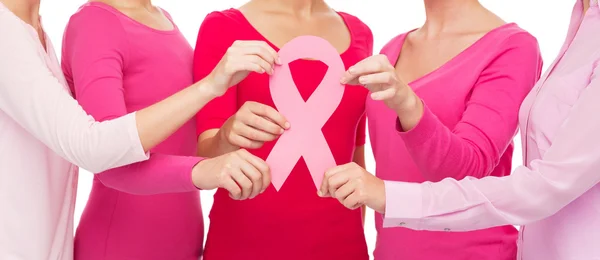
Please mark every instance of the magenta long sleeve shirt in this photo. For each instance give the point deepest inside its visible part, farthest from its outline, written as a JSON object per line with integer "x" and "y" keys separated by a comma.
{"x": 555, "y": 196}
{"x": 148, "y": 210}
{"x": 470, "y": 119}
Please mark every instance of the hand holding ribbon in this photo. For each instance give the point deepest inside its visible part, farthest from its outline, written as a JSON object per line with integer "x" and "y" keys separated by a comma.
{"x": 378, "y": 75}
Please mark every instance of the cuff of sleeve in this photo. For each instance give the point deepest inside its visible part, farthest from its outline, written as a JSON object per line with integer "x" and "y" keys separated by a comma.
{"x": 137, "y": 149}
{"x": 403, "y": 205}
{"x": 422, "y": 132}
{"x": 184, "y": 169}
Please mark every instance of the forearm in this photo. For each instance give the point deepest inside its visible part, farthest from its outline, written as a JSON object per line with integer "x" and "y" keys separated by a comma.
{"x": 161, "y": 174}
{"x": 211, "y": 144}
{"x": 159, "y": 121}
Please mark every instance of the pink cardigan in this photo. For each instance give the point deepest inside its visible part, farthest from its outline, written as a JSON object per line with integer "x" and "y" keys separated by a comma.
{"x": 555, "y": 196}
{"x": 470, "y": 118}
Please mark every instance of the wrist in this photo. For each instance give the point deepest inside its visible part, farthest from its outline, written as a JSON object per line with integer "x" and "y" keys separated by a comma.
{"x": 209, "y": 88}
{"x": 410, "y": 112}
{"x": 196, "y": 171}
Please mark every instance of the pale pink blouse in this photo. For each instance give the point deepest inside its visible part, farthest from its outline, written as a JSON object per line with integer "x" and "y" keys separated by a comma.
{"x": 43, "y": 131}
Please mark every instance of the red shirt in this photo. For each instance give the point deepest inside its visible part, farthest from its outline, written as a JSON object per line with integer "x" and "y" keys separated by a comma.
{"x": 292, "y": 223}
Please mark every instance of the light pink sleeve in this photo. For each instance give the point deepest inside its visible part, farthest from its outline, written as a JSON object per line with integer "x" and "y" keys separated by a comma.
{"x": 32, "y": 96}
{"x": 94, "y": 47}
{"x": 567, "y": 170}
{"x": 489, "y": 123}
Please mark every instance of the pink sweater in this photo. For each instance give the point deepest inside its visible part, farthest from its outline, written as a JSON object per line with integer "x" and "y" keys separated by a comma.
{"x": 469, "y": 121}
{"x": 115, "y": 66}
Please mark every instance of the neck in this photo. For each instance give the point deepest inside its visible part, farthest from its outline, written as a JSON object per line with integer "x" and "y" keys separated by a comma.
{"x": 446, "y": 15}
{"x": 27, "y": 10}
{"x": 586, "y": 5}
{"x": 296, "y": 7}
{"x": 146, "y": 4}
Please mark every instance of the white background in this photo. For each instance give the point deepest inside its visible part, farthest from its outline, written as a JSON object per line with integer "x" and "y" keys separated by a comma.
{"x": 546, "y": 20}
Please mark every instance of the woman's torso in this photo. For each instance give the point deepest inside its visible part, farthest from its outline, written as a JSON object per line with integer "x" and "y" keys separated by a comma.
{"x": 572, "y": 233}
{"x": 446, "y": 92}
{"x": 293, "y": 223}
{"x": 117, "y": 225}
{"x": 37, "y": 182}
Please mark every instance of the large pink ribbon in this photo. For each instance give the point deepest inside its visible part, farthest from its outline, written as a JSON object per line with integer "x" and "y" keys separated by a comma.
{"x": 305, "y": 138}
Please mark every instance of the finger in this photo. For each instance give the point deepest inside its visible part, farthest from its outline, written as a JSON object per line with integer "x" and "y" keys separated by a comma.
{"x": 384, "y": 94}
{"x": 254, "y": 176}
{"x": 264, "y": 64}
{"x": 336, "y": 181}
{"x": 324, "y": 190}
{"x": 371, "y": 65}
{"x": 247, "y": 66}
{"x": 353, "y": 201}
{"x": 243, "y": 182}
{"x": 254, "y": 134}
{"x": 244, "y": 142}
{"x": 234, "y": 190}
{"x": 264, "y": 50}
{"x": 270, "y": 113}
{"x": 344, "y": 191}
{"x": 260, "y": 165}
{"x": 384, "y": 78}
{"x": 264, "y": 124}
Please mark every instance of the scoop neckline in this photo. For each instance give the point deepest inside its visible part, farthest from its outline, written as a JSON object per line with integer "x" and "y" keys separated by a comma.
{"x": 277, "y": 48}
{"x": 118, "y": 12}
{"x": 457, "y": 58}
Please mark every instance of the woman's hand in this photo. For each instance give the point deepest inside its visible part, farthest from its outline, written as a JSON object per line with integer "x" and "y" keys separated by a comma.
{"x": 253, "y": 125}
{"x": 241, "y": 173}
{"x": 240, "y": 59}
{"x": 378, "y": 75}
{"x": 354, "y": 187}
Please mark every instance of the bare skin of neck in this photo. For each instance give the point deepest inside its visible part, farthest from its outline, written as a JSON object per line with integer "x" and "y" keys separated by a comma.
{"x": 451, "y": 26}
{"x": 291, "y": 18}
{"x": 141, "y": 11}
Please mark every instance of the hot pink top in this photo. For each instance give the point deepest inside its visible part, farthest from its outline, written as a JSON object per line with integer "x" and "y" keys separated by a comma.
{"x": 116, "y": 65}
{"x": 469, "y": 121}
{"x": 555, "y": 197}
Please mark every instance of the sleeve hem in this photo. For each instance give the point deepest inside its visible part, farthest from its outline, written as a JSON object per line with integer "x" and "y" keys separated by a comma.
{"x": 137, "y": 148}
{"x": 422, "y": 132}
{"x": 404, "y": 205}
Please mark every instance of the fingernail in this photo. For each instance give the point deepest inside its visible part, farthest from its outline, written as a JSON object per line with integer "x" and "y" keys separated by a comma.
{"x": 375, "y": 96}
{"x": 287, "y": 125}
{"x": 343, "y": 80}
{"x": 351, "y": 70}
{"x": 362, "y": 80}
{"x": 320, "y": 193}
{"x": 278, "y": 61}
{"x": 281, "y": 131}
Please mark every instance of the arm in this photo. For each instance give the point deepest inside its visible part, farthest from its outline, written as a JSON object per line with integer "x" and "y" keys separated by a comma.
{"x": 207, "y": 53}
{"x": 33, "y": 97}
{"x": 95, "y": 46}
{"x": 222, "y": 127}
{"x": 359, "y": 152}
{"x": 489, "y": 123}
{"x": 567, "y": 170}
{"x": 474, "y": 146}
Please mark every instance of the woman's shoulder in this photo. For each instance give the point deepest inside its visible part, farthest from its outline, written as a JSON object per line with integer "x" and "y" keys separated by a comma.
{"x": 228, "y": 19}
{"x": 511, "y": 35}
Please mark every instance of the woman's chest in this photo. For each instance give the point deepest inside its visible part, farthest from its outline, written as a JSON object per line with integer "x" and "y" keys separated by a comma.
{"x": 156, "y": 67}
{"x": 548, "y": 106}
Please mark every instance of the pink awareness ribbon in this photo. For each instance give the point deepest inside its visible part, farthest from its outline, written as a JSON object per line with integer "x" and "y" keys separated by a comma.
{"x": 305, "y": 138}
